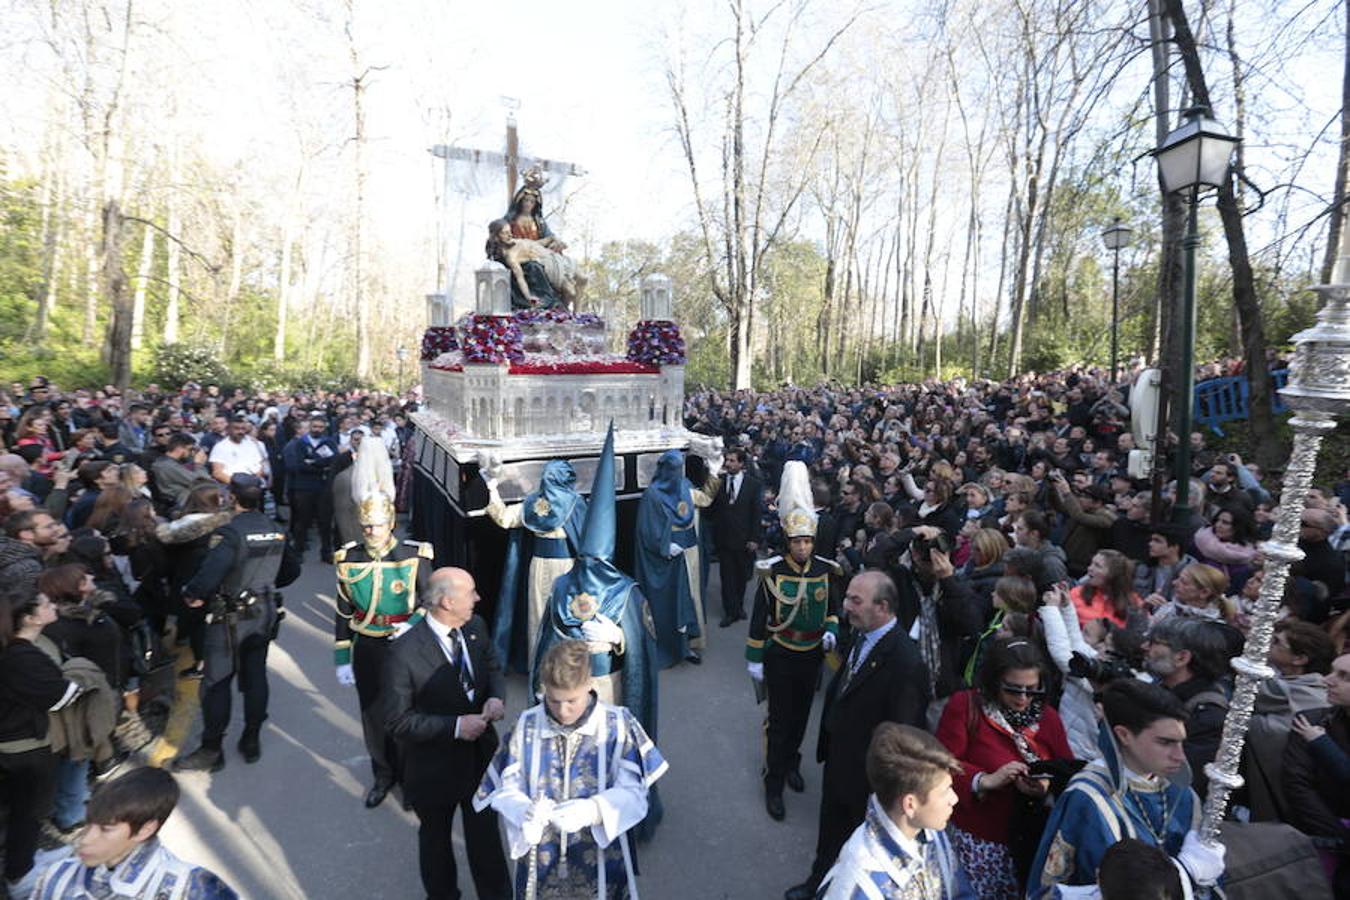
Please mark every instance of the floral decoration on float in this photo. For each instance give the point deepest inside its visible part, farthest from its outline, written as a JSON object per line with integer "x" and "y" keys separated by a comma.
{"x": 438, "y": 339}
{"x": 656, "y": 342}
{"x": 490, "y": 339}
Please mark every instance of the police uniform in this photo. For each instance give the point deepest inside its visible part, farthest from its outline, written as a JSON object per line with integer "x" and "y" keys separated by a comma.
{"x": 237, "y": 580}
{"x": 794, "y": 621}
{"x": 375, "y": 595}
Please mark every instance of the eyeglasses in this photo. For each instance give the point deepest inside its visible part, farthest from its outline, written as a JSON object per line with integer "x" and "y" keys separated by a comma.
{"x": 1021, "y": 691}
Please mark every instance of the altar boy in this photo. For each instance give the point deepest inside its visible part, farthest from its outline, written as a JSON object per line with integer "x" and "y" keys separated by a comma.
{"x": 569, "y": 782}
{"x": 900, "y": 849}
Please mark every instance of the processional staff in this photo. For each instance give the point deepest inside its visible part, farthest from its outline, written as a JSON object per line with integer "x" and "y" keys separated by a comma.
{"x": 1318, "y": 392}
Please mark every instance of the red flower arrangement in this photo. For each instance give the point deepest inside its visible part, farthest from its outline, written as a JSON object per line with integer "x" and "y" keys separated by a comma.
{"x": 656, "y": 342}
{"x": 585, "y": 367}
{"x": 438, "y": 339}
{"x": 491, "y": 339}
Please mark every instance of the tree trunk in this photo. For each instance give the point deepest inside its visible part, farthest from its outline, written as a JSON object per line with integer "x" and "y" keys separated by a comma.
{"x": 1336, "y": 221}
{"x": 173, "y": 251}
{"x": 1260, "y": 417}
{"x": 142, "y": 278}
{"x": 114, "y": 283}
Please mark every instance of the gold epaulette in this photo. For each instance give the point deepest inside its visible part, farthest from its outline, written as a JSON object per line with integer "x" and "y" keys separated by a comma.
{"x": 424, "y": 549}
{"x": 340, "y": 554}
{"x": 835, "y": 568}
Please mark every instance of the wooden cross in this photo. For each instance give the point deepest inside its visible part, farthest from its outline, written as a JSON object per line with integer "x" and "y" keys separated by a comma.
{"x": 511, "y": 159}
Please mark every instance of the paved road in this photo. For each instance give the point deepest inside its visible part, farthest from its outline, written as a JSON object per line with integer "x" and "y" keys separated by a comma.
{"x": 293, "y": 825}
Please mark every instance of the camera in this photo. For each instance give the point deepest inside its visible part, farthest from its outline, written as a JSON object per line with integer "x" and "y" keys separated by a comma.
{"x": 1099, "y": 670}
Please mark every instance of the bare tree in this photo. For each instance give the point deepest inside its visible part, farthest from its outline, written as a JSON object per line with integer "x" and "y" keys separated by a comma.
{"x": 757, "y": 198}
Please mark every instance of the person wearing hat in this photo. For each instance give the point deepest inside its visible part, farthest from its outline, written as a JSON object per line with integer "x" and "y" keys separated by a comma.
{"x": 237, "y": 583}
{"x": 379, "y": 582}
{"x": 795, "y": 622}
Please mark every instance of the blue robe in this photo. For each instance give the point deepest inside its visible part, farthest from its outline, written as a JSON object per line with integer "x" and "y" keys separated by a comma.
{"x": 563, "y": 509}
{"x": 606, "y": 755}
{"x": 874, "y": 865}
{"x": 665, "y": 518}
{"x": 1096, "y": 810}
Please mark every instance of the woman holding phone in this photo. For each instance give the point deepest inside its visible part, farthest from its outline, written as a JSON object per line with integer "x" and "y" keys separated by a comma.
{"x": 1002, "y": 732}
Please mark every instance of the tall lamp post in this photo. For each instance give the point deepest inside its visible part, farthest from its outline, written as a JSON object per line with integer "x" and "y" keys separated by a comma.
{"x": 1116, "y": 237}
{"x": 1193, "y": 157}
{"x": 402, "y": 354}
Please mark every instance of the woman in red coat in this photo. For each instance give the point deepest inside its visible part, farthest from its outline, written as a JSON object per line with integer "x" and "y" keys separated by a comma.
{"x": 999, "y": 731}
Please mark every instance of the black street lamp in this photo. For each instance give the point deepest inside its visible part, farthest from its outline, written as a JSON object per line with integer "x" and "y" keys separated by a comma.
{"x": 1192, "y": 157}
{"x": 1116, "y": 237}
{"x": 402, "y": 354}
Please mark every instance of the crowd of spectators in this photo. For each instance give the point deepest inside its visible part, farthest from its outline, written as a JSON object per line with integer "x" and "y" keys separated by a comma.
{"x": 107, "y": 505}
{"x": 1047, "y": 572}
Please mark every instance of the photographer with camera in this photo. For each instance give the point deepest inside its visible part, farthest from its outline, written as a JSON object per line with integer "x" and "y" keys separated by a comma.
{"x": 938, "y": 610}
{"x": 248, "y": 560}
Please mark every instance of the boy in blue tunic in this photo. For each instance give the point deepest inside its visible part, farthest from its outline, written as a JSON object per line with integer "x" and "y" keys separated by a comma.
{"x": 1129, "y": 793}
{"x": 119, "y": 856}
{"x": 570, "y": 781}
{"x": 900, "y": 851}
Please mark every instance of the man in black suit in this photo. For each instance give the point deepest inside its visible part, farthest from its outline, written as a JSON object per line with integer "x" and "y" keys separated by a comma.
{"x": 736, "y": 532}
{"x": 443, "y": 690}
{"x": 882, "y": 680}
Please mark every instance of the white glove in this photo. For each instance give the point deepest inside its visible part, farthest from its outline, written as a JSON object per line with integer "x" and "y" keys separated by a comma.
{"x": 345, "y": 676}
{"x": 756, "y": 670}
{"x": 675, "y": 550}
{"x": 1203, "y": 861}
{"x": 489, "y": 467}
{"x": 602, "y": 630}
{"x": 536, "y": 820}
{"x": 572, "y": 816}
{"x": 828, "y": 640}
{"x": 401, "y": 628}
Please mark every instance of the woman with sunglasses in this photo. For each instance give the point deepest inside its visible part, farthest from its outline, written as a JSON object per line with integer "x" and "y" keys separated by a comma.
{"x": 1000, "y": 731}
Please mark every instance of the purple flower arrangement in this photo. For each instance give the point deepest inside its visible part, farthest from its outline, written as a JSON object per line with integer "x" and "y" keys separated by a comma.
{"x": 656, "y": 342}
{"x": 491, "y": 339}
{"x": 438, "y": 339}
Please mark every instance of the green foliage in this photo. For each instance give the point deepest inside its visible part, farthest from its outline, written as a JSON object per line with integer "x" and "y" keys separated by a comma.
{"x": 190, "y": 361}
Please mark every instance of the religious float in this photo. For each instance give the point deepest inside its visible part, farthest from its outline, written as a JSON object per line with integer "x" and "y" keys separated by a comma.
{"x": 521, "y": 380}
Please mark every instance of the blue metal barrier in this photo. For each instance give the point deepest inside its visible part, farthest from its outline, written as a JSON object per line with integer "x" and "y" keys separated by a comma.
{"x": 1220, "y": 400}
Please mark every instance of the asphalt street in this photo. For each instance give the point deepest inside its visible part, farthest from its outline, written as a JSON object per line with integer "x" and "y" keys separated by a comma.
{"x": 294, "y": 825}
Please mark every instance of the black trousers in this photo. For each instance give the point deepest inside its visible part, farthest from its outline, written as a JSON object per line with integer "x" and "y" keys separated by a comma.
{"x": 482, "y": 843}
{"x": 736, "y": 566}
{"x": 841, "y": 812}
{"x": 252, "y": 671}
{"x": 312, "y": 508}
{"x": 790, "y": 682}
{"x": 27, "y": 786}
{"x": 368, "y": 656}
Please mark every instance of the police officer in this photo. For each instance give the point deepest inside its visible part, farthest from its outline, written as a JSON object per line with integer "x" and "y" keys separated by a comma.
{"x": 247, "y": 560}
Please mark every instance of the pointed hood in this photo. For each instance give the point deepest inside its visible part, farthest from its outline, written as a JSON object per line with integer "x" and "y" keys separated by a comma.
{"x": 597, "y": 533}
{"x": 595, "y": 584}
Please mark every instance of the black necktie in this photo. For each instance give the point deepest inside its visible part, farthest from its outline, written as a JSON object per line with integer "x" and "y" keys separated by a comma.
{"x": 733, "y": 488}
{"x": 457, "y": 660}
